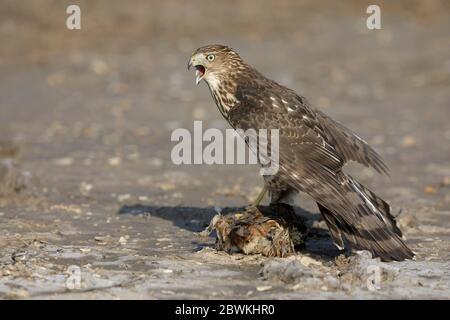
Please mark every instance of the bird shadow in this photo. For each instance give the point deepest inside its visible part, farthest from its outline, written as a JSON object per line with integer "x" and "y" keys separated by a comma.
{"x": 196, "y": 219}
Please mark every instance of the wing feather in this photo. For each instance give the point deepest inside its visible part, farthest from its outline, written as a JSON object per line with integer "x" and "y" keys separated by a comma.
{"x": 290, "y": 107}
{"x": 312, "y": 151}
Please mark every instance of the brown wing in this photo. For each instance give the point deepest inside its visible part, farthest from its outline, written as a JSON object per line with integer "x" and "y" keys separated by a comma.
{"x": 346, "y": 144}
{"x": 349, "y": 145}
{"x": 310, "y": 162}
{"x": 306, "y": 160}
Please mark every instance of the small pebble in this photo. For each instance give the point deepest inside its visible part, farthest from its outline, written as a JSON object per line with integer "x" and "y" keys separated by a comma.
{"x": 123, "y": 197}
{"x": 114, "y": 162}
{"x": 409, "y": 142}
{"x": 263, "y": 288}
{"x": 430, "y": 189}
{"x": 63, "y": 161}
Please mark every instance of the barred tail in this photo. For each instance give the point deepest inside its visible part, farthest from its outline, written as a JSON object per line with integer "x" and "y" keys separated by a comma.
{"x": 375, "y": 229}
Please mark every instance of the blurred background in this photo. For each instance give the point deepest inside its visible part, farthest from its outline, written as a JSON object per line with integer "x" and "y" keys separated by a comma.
{"x": 117, "y": 88}
{"x": 86, "y": 115}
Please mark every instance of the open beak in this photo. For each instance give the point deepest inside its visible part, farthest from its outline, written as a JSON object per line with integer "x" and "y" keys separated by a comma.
{"x": 200, "y": 70}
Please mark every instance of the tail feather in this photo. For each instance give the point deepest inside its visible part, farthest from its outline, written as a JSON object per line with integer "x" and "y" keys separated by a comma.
{"x": 376, "y": 229}
{"x": 381, "y": 207}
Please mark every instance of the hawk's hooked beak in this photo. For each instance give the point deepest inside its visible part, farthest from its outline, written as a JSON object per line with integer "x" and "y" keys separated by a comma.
{"x": 198, "y": 61}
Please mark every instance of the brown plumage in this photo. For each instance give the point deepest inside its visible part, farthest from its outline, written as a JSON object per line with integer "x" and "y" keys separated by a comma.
{"x": 313, "y": 148}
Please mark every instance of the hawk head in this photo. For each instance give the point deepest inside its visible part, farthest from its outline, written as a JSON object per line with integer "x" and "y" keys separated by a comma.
{"x": 212, "y": 63}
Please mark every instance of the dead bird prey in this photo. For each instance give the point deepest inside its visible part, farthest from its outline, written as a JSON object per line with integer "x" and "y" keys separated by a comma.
{"x": 313, "y": 148}
{"x": 274, "y": 231}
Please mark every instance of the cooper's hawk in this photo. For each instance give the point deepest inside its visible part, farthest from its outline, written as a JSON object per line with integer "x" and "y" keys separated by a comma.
{"x": 313, "y": 148}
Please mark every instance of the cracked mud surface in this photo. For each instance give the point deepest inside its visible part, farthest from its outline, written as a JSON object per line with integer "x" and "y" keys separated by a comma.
{"x": 86, "y": 179}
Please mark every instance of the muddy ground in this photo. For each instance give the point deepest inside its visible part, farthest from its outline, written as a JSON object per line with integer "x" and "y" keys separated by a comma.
{"x": 87, "y": 186}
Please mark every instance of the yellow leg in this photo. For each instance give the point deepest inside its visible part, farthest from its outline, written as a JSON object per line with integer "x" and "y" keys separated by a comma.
{"x": 260, "y": 197}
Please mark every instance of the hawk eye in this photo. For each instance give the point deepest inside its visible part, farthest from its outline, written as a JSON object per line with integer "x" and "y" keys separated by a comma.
{"x": 210, "y": 57}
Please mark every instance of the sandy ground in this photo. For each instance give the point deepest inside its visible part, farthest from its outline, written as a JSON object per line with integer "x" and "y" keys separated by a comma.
{"x": 87, "y": 186}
